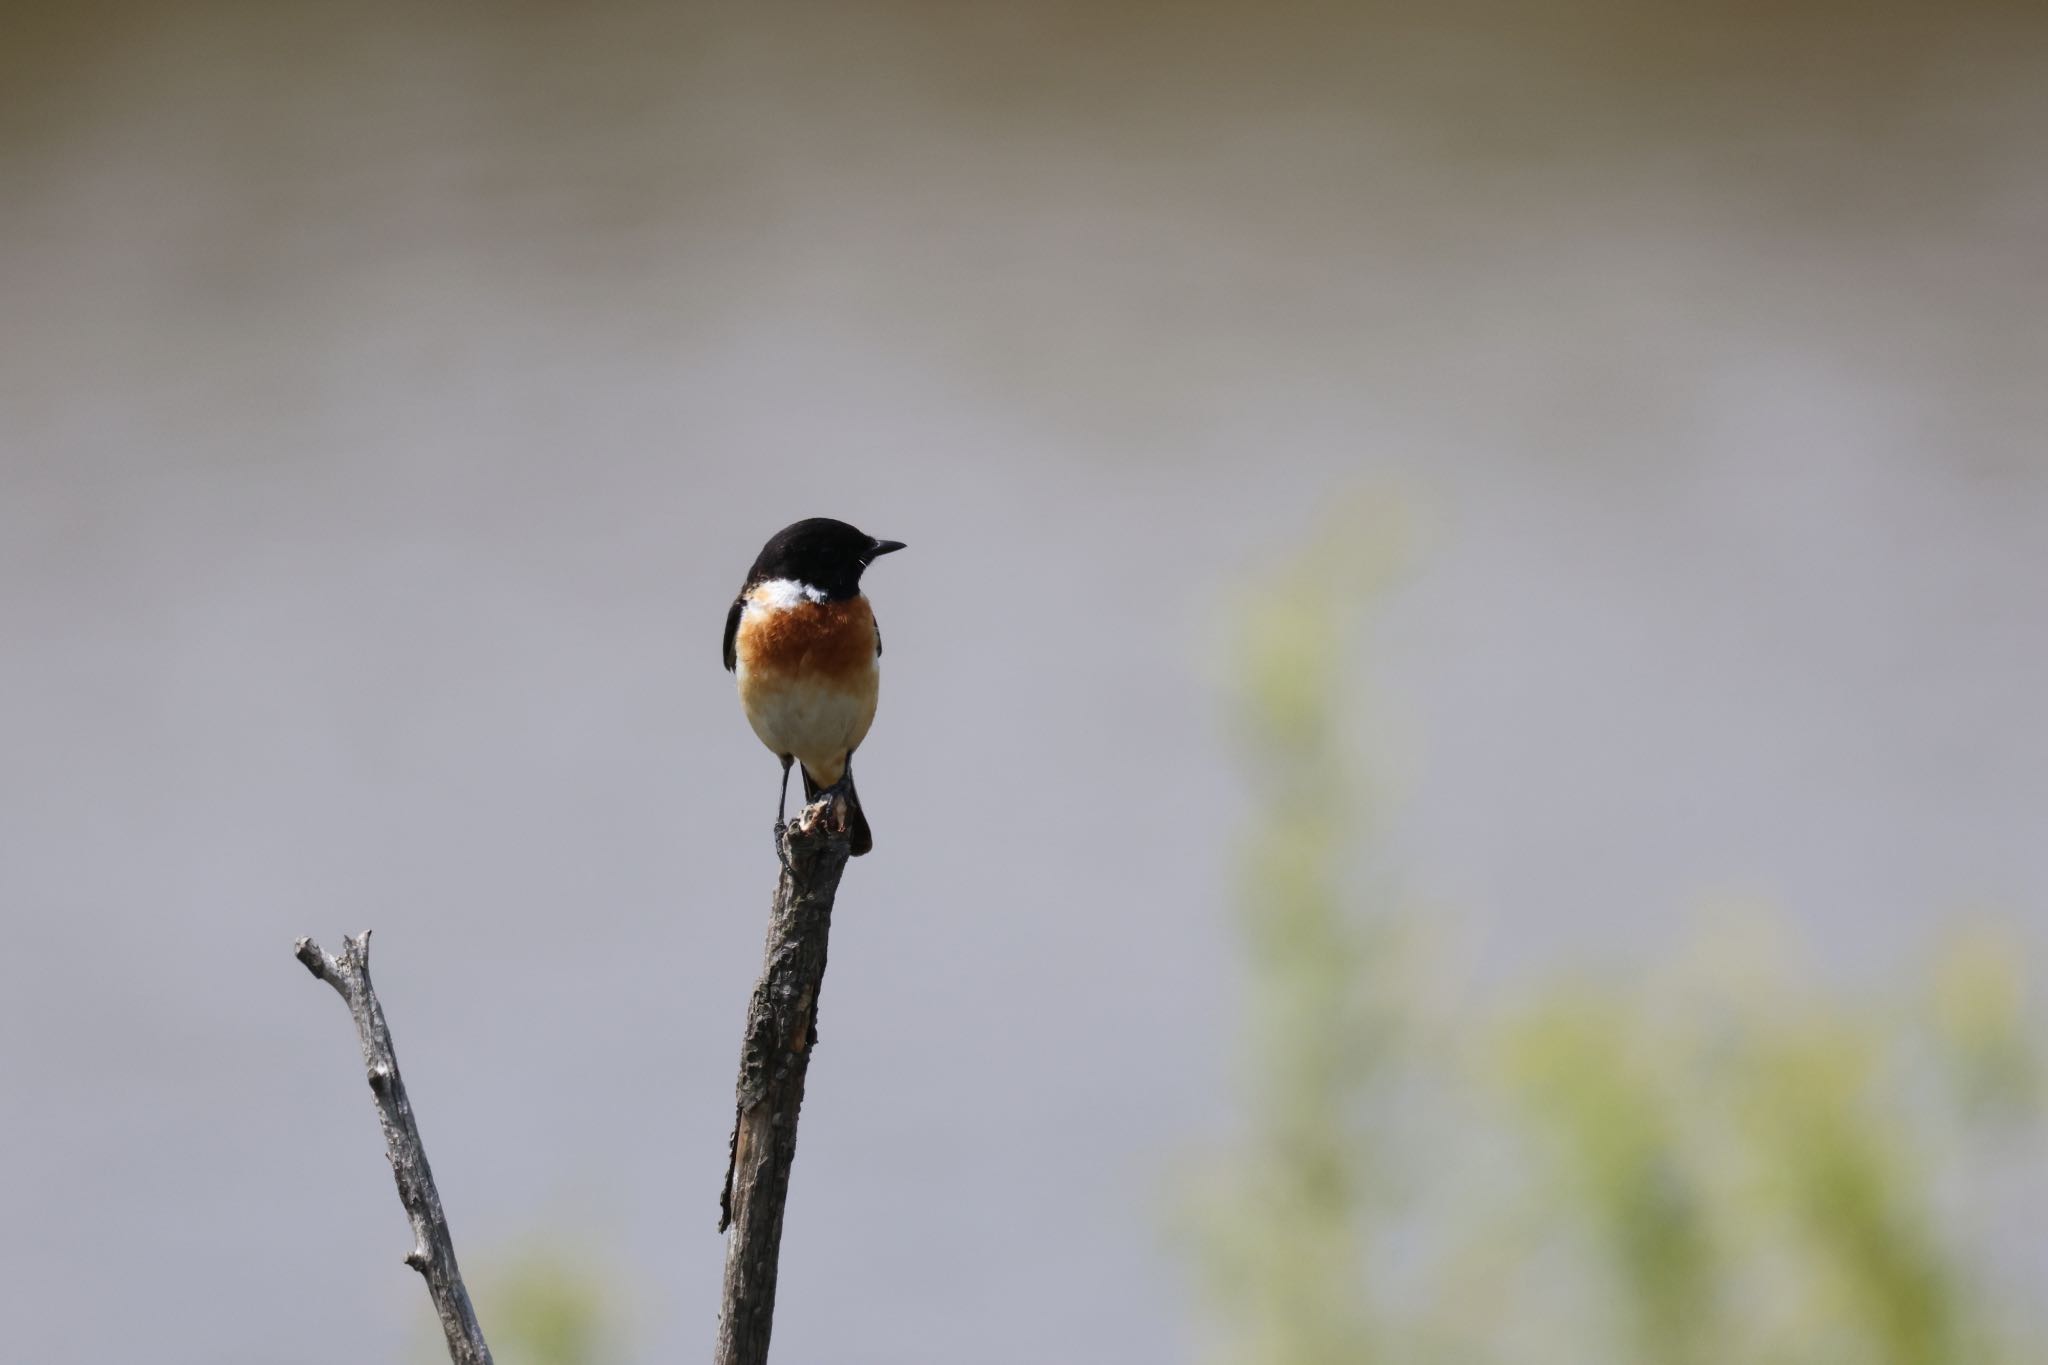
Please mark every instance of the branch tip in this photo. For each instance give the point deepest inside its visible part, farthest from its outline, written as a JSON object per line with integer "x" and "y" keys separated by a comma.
{"x": 779, "y": 1037}
{"x": 433, "y": 1248}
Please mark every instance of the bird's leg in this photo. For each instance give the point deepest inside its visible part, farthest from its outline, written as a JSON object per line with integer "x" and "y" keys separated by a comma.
{"x": 845, "y": 779}
{"x": 838, "y": 790}
{"x": 782, "y": 802}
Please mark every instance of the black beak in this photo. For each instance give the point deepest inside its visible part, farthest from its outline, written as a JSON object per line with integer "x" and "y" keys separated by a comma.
{"x": 883, "y": 547}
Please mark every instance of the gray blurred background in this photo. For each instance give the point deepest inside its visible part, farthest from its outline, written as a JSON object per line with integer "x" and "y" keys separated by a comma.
{"x": 392, "y": 397}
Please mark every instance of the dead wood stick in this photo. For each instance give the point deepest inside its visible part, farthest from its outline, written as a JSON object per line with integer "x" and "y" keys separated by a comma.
{"x": 433, "y": 1250}
{"x": 780, "y": 1036}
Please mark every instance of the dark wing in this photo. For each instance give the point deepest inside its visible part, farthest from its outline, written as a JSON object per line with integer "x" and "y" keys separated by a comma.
{"x": 732, "y": 630}
{"x": 878, "y": 632}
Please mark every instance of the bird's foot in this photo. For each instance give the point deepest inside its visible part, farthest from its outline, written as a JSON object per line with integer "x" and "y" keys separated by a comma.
{"x": 838, "y": 802}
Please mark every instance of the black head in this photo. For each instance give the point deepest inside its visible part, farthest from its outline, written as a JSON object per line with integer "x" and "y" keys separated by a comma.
{"x": 829, "y": 555}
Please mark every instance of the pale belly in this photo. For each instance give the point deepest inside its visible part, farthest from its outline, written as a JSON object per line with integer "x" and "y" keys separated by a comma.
{"x": 820, "y": 723}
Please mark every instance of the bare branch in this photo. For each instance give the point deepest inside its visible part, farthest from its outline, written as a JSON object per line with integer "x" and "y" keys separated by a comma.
{"x": 433, "y": 1250}
{"x": 781, "y": 1034}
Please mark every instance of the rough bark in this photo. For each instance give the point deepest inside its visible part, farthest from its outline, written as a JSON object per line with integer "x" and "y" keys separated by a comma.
{"x": 781, "y": 1034}
{"x": 433, "y": 1250}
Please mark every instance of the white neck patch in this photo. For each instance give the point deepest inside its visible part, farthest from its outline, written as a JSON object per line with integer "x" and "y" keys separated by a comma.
{"x": 780, "y": 594}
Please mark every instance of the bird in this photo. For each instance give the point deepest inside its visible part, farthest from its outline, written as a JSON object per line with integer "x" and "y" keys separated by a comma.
{"x": 802, "y": 644}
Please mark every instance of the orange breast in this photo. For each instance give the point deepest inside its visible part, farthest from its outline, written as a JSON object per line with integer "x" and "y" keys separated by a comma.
{"x": 826, "y": 641}
{"x": 808, "y": 679}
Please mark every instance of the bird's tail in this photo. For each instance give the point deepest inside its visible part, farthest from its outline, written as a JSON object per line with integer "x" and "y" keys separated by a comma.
{"x": 857, "y": 830}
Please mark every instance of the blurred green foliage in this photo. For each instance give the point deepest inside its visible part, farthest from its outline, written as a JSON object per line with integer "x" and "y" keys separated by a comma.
{"x": 1721, "y": 1160}
{"x": 543, "y": 1301}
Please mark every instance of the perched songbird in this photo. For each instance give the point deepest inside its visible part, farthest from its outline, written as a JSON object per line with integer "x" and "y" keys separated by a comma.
{"x": 804, "y": 645}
